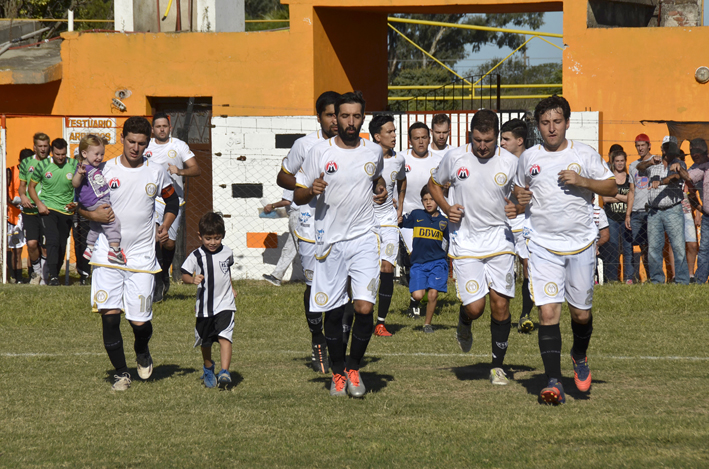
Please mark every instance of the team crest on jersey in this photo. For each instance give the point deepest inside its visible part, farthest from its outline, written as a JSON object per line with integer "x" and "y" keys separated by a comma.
{"x": 319, "y": 235}
{"x": 463, "y": 173}
{"x": 393, "y": 176}
{"x": 575, "y": 167}
{"x": 472, "y": 287}
{"x": 224, "y": 265}
{"x": 151, "y": 189}
{"x": 31, "y": 170}
{"x": 114, "y": 183}
{"x": 172, "y": 153}
{"x": 500, "y": 179}
{"x": 48, "y": 175}
{"x": 308, "y": 275}
{"x": 408, "y": 168}
{"x": 148, "y": 154}
{"x": 100, "y": 296}
{"x": 321, "y": 298}
{"x": 69, "y": 176}
{"x": 370, "y": 168}
{"x": 442, "y": 225}
{"x": 331, "y": 167}
{"x": 535, "y": 169}
{"x": 551, "y": 289}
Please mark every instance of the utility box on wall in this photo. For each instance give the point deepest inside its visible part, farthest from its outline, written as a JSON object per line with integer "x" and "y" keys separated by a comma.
{"x": 220, "y": 16}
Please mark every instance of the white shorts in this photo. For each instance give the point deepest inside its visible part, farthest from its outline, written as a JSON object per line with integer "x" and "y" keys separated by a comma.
{"x": 521, "y": 245}
{"x": 160, "y": 213}
{"x": 307, "y": 259}
{"x": 690, "y": 229}
{"x": 15, "y": 235}
{"x": 390, "y": 244}
{"x": 122, "y": 289}
{"x": 476, "y": 277}
{"x": 357, "y": 259}
{"x": 555, "y": 277}
{"x": 407, "y": 234}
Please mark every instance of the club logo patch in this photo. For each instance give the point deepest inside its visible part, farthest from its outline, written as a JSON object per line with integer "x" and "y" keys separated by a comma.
{"x": 442, "y": 225}
{"x": 100, "y": 296}
{"x": 370, "y": 168}
{"x": 463, "y": 173}
{"x": 500, "y": 179}
{"x": 534, "y": 170}
{"x": 48, "y": 175}
{"x": 151, "y": 189}
{"x": 308, "y": 275}
{"x": 575, "y": 167}
{"x": 69, "y": 176}
{"x": 148, "y": 154}
{"x": 331, "y": 167}
{"x": 408, "y": 168}
{"x": 551, "y": 289}
{"x": 31, "y": 170}
{"x": 224, "y": 265}
{"x": 321, "y": 299}
{"x": 114, "y": 183}
{"x": 393, "y": 176}
{"x": 172, "y": 153}
{"x": 472, "y": 287}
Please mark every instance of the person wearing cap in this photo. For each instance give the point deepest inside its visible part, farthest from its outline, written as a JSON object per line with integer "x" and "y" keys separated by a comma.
{"x": 638, "y": 211}
{"x": 665, "y": 215}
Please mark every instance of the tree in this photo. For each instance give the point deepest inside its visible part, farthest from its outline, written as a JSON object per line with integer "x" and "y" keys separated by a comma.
{"x": 58, "y": 9}
{"x": 265, "y": 10}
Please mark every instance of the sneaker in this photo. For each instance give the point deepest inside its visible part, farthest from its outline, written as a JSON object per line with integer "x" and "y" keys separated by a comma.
{"x": 88, "y": 252}
{"x": 145, "y": 365}
{"x": 116, "y": 256}
{"x": 498, "y": 377}
{"x": 84, "y": 280}
{"x": 428, "y": 329}
{"x": 272, "y": 280}
{"x": 166, "y": 285}
{"x": 208, "y": 376}
{"x": 121, "y": 382}
{"x": 224, "y": 379}
{"x": 582, "y": 374}
{"x": 337, "y": 387}
{"x": 553, "y": 393}
{"x": 381, "y": 331}
{"x": 319, "y": 358}
{"x": 630, "y": 281}
{"x": 692, "y": 280}
{"x": 525, "y": 324}
{"x": 464, "y": 336}
{"x": 158, "y": 290}
{"x": 355, "y": 386}
{"x": 54, "y": 282}
{"x": 415, "y": 312}
{"x": 35, "y": 279}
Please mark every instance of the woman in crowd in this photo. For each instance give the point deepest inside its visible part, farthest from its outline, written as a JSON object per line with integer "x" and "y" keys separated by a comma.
{"x": 616, "y": 209}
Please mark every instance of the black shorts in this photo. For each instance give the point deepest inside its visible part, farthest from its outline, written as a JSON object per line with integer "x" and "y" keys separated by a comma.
{"x": 210, "y": 329}
{"x": 34, "y": 230}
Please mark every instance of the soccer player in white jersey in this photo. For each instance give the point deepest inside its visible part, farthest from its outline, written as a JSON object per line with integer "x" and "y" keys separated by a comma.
{"x": 513, "y": 133}
{"x": 345, "y": 172}
{"x": 135, "y": 182}
{"x": 176, "y": 157}
{"x": 558, "y": 180}
{"x": 305, "y": 231}
{"x": 383, "y": 132}
{"x": 440, "y": 133}
{"x": 481, "y": 241}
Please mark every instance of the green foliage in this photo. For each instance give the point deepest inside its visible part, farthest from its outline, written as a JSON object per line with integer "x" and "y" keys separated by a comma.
{"x": 266, "y": 10}
{"x": 57, "y": 9}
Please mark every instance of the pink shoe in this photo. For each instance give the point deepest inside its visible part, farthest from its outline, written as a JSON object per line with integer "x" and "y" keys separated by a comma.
{"x": 117, "y": 256}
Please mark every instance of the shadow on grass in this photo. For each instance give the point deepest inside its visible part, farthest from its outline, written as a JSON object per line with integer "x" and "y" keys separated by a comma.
{"x": 374, "y": 382}
{"x": 159, "y": 372}
{"x": 236, "y": 379}
{"x": 536, "y": 383}
{"x": 481, "y": 371}
{"x": 177, "y": 296}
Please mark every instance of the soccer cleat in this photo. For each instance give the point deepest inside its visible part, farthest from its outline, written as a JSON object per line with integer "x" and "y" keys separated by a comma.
{"x": 35, "y": 279}
{"x": 159, "y": 288}
{"x": 553, "y": 393}
{"x": 498, "y": 377}
{"x": 525, "y": 324}
{"x": 121, "y": 382}
{"x": 88, "y": 252}
{"x": 464, "y": 336}
{"x": 272, "y": 280}
{"x": 210, "y": 380}
{"x": 381, "y": 331}
{"x": 355, "y": 386}
{"x": 337, "y": 387}
{"x": 582, "y": 374}
{"x": 428, "y": 329}
{"x": 166, "y": 285}
{"x": 116, "y": 255}
{"x": 54, "y": 282}
{"x": 415, "y": 312}
{"x": 84, "y": 280}
{"x": 145, "y": 365}
{"x": 224, "y": 379}
{"x": 319, "y": 358}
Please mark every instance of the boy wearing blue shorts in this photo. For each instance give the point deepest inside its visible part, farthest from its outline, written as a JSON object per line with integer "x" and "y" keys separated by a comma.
{"x": 429, "y": 270}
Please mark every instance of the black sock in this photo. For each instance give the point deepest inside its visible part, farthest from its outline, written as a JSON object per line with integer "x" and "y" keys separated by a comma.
{"x": 500, "y": 332}
{"x": 18, "y": 275}
{"x": 306, "y": 299}
{"x": 582, "y": 336}
{"x": 167, "y": 256}
{"x": 361, "y": 333}
{"x": 414, "y": 303}
{"x": 142, "y": 335}
{"x": 315, "y": 325}
{"x": 113, "y": 341}
{"x": 550, "y": 348}
{"x": 333, "y": 336}
{"x": 386, "y": 289}
{"x": 464, "y": 318}
{"x": 158, "y": 254}
{"x": 527, "y": 302}
{"x": 347, "y": 319}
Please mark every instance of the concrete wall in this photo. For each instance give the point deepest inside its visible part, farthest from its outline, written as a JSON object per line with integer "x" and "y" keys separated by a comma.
{"x": 207, "y": 16}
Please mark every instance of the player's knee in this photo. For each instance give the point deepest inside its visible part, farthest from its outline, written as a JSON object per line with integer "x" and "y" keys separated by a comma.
{"x": 387, "y": 267}
{"x": 417, "y": 295}
{"x": 475, "y": 309}
{"x": 432, "y": 295}
{"x": 363, "y": 307}
{"x": 580, "y": 316}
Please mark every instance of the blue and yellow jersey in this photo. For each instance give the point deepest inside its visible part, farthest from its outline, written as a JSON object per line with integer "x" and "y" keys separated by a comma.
{"x": 429, "y": 232}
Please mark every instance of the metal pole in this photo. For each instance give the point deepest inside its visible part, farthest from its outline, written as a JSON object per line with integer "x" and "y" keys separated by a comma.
{"x": 498, "y": 91}
{"x": 178, "y": 23}
{"x": 70, "y": 16}
{"x": 3, "y": 204}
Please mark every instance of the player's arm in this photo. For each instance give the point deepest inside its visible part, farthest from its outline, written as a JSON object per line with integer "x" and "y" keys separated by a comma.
{"x": 602, "y": 187}
{"x": 401, "y": 183}
{"x": 285, "y": 180}
{"x": 190, "y": 170}
{"x": 103, "y": 214}
{"x": 604, "y": 235}
{"x": 630, "y": 202}
{"x": 41, "y": 208}
{"x": 379, "y": 188}
{"x": 172, "y": 208}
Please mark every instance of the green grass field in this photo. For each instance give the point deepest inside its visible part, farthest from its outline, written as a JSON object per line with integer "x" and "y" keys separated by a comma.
{"x": 428, "y": 405}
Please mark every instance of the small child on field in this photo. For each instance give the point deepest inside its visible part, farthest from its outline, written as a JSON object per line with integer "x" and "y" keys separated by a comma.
{"x": 209, "y": 266}
{"x": 93, "y": 192}
{"x": 429, "y": 270}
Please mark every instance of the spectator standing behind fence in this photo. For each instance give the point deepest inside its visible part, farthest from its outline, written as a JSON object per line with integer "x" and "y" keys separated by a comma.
{"x": 689, "y": 204}
{"x": 290, "y": 248}
{"x": 15, "y": 234}
{"x": 638, "y": 214}
{"x": 699, "y": 175}
{"x": 665, "y": 215}
{"x": 619, "y": 223}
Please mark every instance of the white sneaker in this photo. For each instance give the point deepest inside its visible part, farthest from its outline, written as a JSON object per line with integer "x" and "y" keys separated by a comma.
{"x": 498, "y": 377}
{"x": 145, "y": 365}
{"x": 35, "y": 278}
{"x": 122, "y": 382}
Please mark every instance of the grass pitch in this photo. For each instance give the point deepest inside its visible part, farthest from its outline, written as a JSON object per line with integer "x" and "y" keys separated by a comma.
{"x": 428, "y": 404}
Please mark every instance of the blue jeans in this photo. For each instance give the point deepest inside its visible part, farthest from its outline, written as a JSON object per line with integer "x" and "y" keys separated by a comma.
{"x": 703, "y": 257}
{"x": 638, "y": 225}
{"x": 620, "y": 238}
{"x": 670, "y": 222}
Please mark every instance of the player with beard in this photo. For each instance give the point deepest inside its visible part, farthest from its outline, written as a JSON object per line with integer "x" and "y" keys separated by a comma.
{"x": 305, "y": 231}
{"x": 481, "y": 241}
{"x": 344, "y": 173}
{"x": 176, "y": 157}
{"x": 440, "y": 133}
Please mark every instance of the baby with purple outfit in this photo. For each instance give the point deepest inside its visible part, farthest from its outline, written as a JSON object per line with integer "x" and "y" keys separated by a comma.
{"x": 93, "y": 192}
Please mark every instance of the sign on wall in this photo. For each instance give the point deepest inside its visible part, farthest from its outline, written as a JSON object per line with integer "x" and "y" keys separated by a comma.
{"x": 75, "y": 128}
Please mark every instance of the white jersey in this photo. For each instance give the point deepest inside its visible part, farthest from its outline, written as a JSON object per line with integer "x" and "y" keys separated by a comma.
{"x": 176, "y": 152}
{"x": 560, "y": 218}
{"x": 215, "y": 293}
{"x": 291, "y": 165}
{"x": 133, "y": 193}
{"x": 394, "y": 170}
{"x": 418, "y": 172}
{"x": 288, "y": 195}
{"x": 480, "y": 186}
{"x": 345, "y": 210}
{"x": 439, "y": 153}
